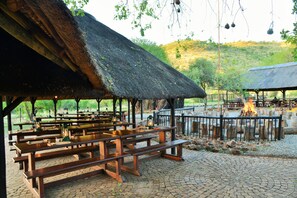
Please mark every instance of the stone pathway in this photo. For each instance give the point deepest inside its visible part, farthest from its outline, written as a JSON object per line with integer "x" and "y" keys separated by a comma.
{"x": 202, "y": 174}
{"x": 286, "y": 148}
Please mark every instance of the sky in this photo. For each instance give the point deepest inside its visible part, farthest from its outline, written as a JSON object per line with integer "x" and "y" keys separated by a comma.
{"x": 199, "y": 19}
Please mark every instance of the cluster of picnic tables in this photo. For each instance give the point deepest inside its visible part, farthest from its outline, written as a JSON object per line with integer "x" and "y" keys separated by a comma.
{"x": 106, "y": 142}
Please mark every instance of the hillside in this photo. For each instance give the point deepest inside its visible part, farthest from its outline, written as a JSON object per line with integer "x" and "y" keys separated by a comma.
{"x": 240, "y": 54}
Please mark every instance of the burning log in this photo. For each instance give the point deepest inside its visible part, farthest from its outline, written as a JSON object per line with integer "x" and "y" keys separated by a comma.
{"x": 249, "y": 109}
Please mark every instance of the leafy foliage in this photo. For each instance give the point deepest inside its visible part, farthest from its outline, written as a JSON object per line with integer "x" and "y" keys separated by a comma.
{"x": 138, "y": 10}
{"x": 76, "y": 6}
{"x": 230, "y": 79}
{"x": 202, "y": 72}
{"x": 153, "y": 48}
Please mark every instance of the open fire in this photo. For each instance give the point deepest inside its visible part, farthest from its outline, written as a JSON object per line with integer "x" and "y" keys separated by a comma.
{"x": 249, "y": 109}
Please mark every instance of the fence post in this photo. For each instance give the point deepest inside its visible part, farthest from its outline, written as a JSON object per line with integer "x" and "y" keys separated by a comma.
{"x": 279, "y": 126}
{"x": 221, "y": 127}
{"x": 183, "y": 123}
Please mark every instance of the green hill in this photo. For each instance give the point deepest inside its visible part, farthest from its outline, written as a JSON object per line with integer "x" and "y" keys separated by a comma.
{"x": 239, "y": 54}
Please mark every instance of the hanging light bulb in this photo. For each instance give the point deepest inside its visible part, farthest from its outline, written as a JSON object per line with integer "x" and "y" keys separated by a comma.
{"x": 233, "y": 24}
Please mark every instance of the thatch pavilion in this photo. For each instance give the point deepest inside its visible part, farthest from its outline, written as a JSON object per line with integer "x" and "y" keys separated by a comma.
{"x": 48, "y": 53}
{"x": 281, "y": 77}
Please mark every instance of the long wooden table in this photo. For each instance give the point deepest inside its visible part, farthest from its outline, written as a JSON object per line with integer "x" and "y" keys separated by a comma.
{"x": 98, "y": 126}
{"x": 134, "y": 133}
{"x": 61, "y": 122}
{"x": 101, "y": 139}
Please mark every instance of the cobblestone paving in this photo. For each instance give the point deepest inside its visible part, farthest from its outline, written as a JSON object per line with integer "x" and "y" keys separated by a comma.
{"x": 202, "y": 174}
{"x": 284, "y": 148}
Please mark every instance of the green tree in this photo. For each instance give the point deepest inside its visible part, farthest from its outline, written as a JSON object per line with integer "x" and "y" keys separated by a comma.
{"x": 153, "y": 48}
{"x": 202, "y": 72}
{"x": 76, "y": 6}
{"x": 230, "y": 79}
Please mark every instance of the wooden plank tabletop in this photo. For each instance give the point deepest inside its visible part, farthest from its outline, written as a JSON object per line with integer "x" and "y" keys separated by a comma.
{"x": 29, "y": 148}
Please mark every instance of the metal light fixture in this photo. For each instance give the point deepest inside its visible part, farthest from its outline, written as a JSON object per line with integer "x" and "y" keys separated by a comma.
{"x": 114, "y": 119}
{"x": 150, "y": 122}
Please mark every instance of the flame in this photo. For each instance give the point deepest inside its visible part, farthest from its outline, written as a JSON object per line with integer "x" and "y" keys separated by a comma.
{"x": 249, "y": 108}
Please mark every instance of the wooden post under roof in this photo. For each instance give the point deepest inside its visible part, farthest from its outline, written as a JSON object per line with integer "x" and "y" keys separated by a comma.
{"x": 120, "y": 104}
{"x": 33, "y": 100}
{"x": 2, "y": 153}
{"x": 172, "y": 120}
{"x": 77, "y": 106}
{"x": 257, "y": 98}
{"x": 55, "y": 100}
{"x": 128, "y": 100}
{"x": 9, "y": 124}
{"x": 114, "y": 105}
{"x": 98, "y": 103}
{"x": 134, "y": 101}
{"x": 141, "y": 109}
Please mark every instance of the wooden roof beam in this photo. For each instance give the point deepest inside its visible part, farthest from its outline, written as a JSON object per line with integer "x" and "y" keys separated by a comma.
{"x": 57, "y": 54}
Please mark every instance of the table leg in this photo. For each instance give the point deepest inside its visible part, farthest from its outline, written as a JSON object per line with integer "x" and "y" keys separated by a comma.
{"x": 31, "y": 162}
{"x": 162, "y": 139}
{"x": 119, "y": 148}
{"x": 103, "y": 152}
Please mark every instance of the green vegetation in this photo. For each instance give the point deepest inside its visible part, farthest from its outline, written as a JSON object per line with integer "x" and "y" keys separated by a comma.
{"x": 153, "y": 48}
{"x": 202, "y": 72}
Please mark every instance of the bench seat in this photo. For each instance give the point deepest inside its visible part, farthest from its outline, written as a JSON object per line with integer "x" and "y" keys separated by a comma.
{"x": 54, "y": 154}
{"x": 160, "y": 148}
{"x": 41, "y": 173}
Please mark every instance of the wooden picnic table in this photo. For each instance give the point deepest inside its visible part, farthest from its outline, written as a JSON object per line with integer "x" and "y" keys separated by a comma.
{"x": 61, "y": 122}
{"x": 97, "y": 127}
{"x": 21, "y": 134}
{"x": 161, "y": 147}
{"x": 32, "y": 149}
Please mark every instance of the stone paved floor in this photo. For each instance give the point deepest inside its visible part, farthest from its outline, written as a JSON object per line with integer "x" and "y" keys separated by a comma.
{"x": 202, "y": 174}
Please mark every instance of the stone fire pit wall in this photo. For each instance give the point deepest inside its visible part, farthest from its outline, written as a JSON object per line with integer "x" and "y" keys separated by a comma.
{"x": 255, "y": 128}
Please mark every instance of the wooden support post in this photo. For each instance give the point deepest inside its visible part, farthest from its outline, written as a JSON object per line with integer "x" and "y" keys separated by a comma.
{"x": 257, "y": 99}
{"x": 172, "y": 120}
{"x": 263, "y": 99}
{"x": 77, "y": 106}
{"x": 114, "y": 106}
{"x": 55, "y": 100}
{"x": 134, "y": 101}
{"x": 120, "y": 104}
{"x": 141, "y": 109}
{"x": 33, "y": 100}
{"x": 13, "y": 105}
{"x": 9, "y": 124}
{"x": 2, "y": 153}
{"x": 284, "y": 96}
{"x": 128, "y": 100}
{"x": 98, "y": 103}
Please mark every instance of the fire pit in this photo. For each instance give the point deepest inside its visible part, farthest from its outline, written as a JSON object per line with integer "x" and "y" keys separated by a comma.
{"x": 249, "y": 109}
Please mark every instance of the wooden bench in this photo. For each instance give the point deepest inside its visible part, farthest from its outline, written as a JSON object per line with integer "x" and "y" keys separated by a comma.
{"x": 42, "y": 173}
{"x": 155, "y": 148}
{"x": 133, "y": 141}
{"x": 54, "y": 154}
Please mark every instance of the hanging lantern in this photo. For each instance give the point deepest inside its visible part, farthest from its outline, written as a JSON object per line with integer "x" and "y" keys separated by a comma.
{"x": 114, "y": 119}
{"x": 150, "y": 122}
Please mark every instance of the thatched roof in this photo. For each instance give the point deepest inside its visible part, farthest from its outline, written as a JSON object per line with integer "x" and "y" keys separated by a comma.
{"x": 269, "y": 78}
{"x": 98, "y": 58}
